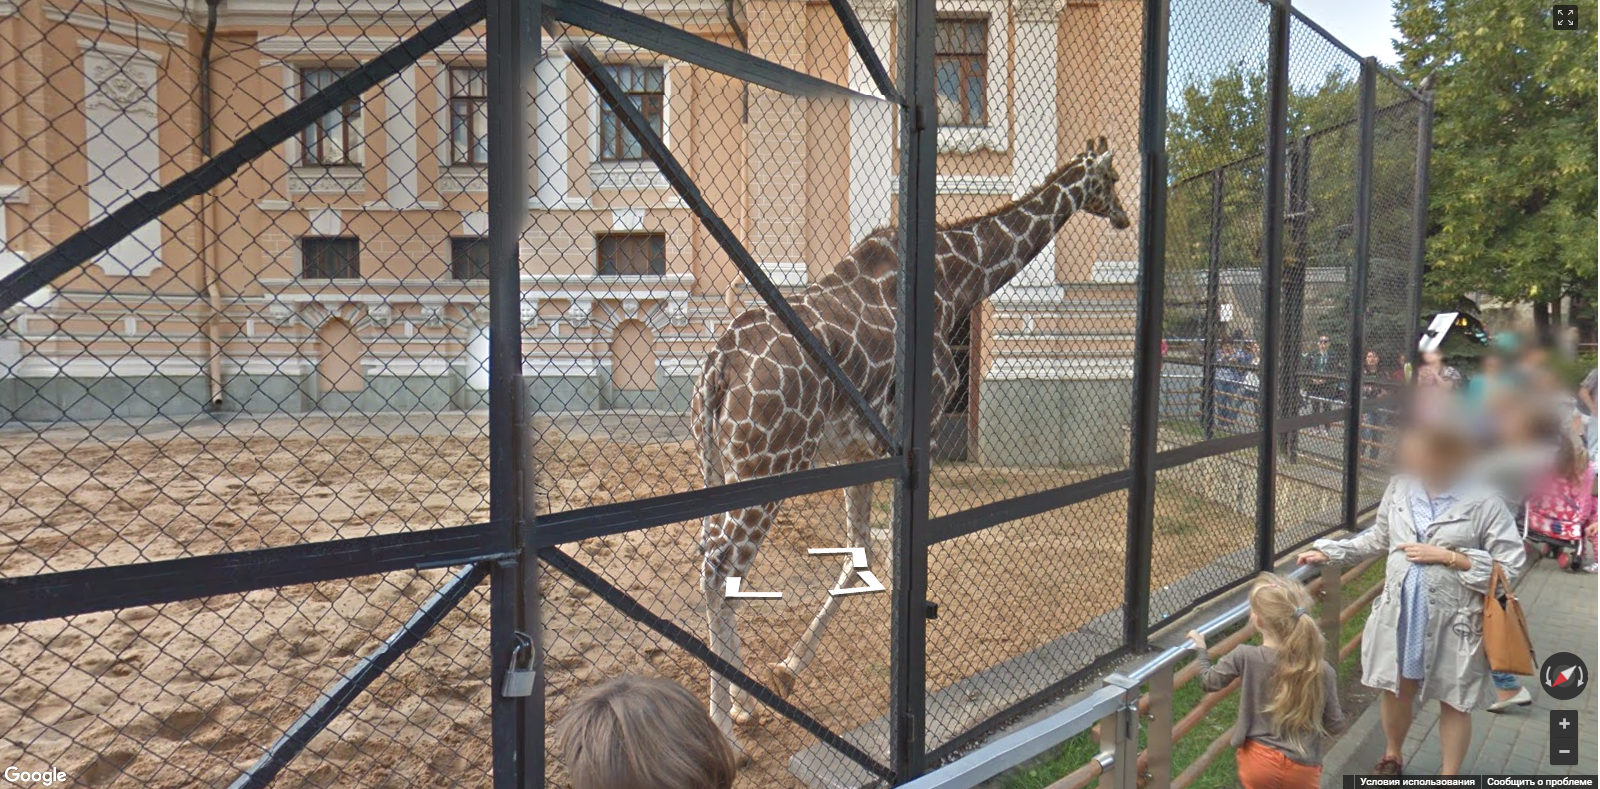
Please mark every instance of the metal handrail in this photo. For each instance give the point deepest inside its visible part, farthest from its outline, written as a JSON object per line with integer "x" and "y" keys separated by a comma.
{"x": 1023, "y": 744}
{"x": 1233, "y": 615}
{"x": 1115, "y": 707}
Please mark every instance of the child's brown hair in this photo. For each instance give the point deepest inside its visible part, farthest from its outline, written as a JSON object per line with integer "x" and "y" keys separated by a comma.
{"x": 1570, "y": 463}
{"x": 637, "y": 732}
{"x": 1282, "y": 609}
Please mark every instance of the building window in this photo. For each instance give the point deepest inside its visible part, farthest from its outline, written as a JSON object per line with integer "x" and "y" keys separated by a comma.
{"x": 469, "y": 257}
{"x": 646, "y": 86}
{"x": 633, "y": 254}
{"x": 335, "y": 138}
{"x": 330, "y": 258}
{"x": 469, "y": 116}
{"x": 961, "y": 66}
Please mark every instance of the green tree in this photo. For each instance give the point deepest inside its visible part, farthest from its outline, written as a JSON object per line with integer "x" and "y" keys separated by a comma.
{"x": 1220, "y": 122}
{"x": 1224, "y": 119}
{"x": 1512, "y": 207}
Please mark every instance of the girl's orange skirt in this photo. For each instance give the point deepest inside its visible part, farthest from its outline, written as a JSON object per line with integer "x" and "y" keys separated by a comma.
{"x": 1266, "y": 767}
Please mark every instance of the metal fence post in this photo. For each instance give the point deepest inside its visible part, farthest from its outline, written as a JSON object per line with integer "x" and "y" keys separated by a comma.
{"x": 1147, "y": 343}
{"x": 517, "y": 728}
{"x": 1271, "y": 279}
{"x": 1360, "y": 262}
{"x": 1158, "y": 738}
{"x": 1213, "y": 312}
{"x": 1332, "y": 606}
{"x": 1419, "y": 214}
{"x": 1119, "y": 737}
{"x": 919, "y": 157}
{"x": 1296, "y": 219}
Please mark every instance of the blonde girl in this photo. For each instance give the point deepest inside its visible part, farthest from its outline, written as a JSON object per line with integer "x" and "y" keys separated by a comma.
{"x": 1288, "y": 695}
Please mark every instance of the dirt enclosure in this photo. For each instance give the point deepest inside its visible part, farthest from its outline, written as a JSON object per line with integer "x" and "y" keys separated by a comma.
{"x": 192, "y": 693}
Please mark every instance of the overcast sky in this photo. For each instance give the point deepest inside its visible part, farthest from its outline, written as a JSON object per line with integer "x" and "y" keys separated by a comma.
{"x": 1366, "y": 26}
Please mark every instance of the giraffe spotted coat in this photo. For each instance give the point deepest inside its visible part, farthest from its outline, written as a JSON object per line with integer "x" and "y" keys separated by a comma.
{"x": 763, "y": 407}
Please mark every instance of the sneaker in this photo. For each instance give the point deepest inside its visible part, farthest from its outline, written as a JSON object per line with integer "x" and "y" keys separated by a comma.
{"x": 1522, "y": 699}
{"x": 1388, "y": 765}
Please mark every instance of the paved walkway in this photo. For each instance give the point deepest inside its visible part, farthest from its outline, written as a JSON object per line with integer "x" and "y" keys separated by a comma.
{"x": 1562, "y": 613}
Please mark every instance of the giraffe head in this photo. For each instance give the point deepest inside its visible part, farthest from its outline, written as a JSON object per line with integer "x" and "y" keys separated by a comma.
{"x": 1100, "y": 185}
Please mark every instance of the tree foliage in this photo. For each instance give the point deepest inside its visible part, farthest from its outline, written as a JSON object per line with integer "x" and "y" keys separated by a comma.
{"x": 1512, "y": 205}
{"x": 1219, "y": 125}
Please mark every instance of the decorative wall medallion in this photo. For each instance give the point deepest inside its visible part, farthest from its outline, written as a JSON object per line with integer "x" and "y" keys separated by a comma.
{"x": 380, "y": 315}
{"x": 122, "y": 85}
{"x": 577, "y": 315}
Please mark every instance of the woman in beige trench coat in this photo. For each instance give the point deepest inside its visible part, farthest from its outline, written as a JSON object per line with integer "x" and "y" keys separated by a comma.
{"x": 1441, "y": 534}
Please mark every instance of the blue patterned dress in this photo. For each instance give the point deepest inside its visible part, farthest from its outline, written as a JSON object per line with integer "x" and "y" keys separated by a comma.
{"x": 1413, "y": 589}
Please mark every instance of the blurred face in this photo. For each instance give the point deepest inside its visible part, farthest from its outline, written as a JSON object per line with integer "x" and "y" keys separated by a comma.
{"x": 1492, "y": 364}
{"x": 1372, "y": 360}
{"x": 1516, "y": 427}
{"x": 1322, "y": 344}
{"x": 1435, "y": 461}
{"x": 1433, "y": 358}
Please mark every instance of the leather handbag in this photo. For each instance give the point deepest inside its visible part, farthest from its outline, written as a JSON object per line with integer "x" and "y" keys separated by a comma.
{"x": 1505, "y": 629}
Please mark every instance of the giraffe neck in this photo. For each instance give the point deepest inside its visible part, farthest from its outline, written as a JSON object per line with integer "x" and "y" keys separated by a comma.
{"x": 1011, "y": 237}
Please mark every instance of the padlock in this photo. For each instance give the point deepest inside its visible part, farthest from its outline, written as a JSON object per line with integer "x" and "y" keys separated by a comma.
{"x": 520, "y": 674}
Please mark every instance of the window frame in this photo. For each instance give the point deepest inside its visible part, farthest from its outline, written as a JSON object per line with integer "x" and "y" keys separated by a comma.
{"x": 350, "y": 116}
{"x": 606, "y": 120}
{"x": 354, "y": 259}
{"x": 463, "y": 107}
{"x": 660, "y": 238}
{"x": 969, "y": 63}
{"x": 456, "y": 245}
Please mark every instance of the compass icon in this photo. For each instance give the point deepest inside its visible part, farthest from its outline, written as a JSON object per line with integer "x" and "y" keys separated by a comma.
{"x": 1563, "y": 676}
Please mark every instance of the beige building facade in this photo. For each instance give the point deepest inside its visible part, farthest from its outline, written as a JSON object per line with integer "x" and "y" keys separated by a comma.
{"x": 342, "y": 270}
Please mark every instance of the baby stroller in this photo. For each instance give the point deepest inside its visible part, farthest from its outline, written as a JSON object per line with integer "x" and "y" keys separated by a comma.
{"x": 1556, "y": 518}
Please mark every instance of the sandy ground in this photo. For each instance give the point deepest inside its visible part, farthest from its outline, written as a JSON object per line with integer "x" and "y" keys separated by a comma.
{"x": 190, "y": 693}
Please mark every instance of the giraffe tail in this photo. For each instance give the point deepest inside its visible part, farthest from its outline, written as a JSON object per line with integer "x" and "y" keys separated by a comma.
{"x": 711, "y": 396}
{"x": 710, "y": 399}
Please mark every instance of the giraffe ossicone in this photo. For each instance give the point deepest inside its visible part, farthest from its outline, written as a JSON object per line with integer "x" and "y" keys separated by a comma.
{"x": 763, "y": 407}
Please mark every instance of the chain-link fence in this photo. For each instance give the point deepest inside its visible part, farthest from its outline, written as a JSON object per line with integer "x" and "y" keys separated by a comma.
{"x": 343, "y": 448}
{"x": 1343, "y": 217}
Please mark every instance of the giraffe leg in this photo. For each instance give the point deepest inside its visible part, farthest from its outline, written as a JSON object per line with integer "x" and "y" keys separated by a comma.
{"x": 717, "y": 629}
{"x": 858, "y": 519}
{"x": 743, "y": 711}
{"x": 729, "y": 552}
{"x": 723, "y": 710}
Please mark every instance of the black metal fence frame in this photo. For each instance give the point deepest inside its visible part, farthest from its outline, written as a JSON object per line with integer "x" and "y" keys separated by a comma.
{"x": 513, "y": 547}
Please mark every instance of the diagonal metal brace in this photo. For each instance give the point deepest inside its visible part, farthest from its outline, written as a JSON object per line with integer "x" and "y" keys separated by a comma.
{"x": 336, "y": 699}
{"x": 863, "y": 45}
{"x": 669, "y": 630}
{"x": 613, "y": 96}
{"x": 121, "y": 223}
{"x": 642, "y": 31}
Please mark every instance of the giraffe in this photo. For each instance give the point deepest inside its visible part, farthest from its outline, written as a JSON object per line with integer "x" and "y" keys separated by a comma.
{"x": 763, "y": 407}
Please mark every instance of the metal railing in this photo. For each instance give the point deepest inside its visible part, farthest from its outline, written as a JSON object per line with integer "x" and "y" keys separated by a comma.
{"x": 1117, "y": 708}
